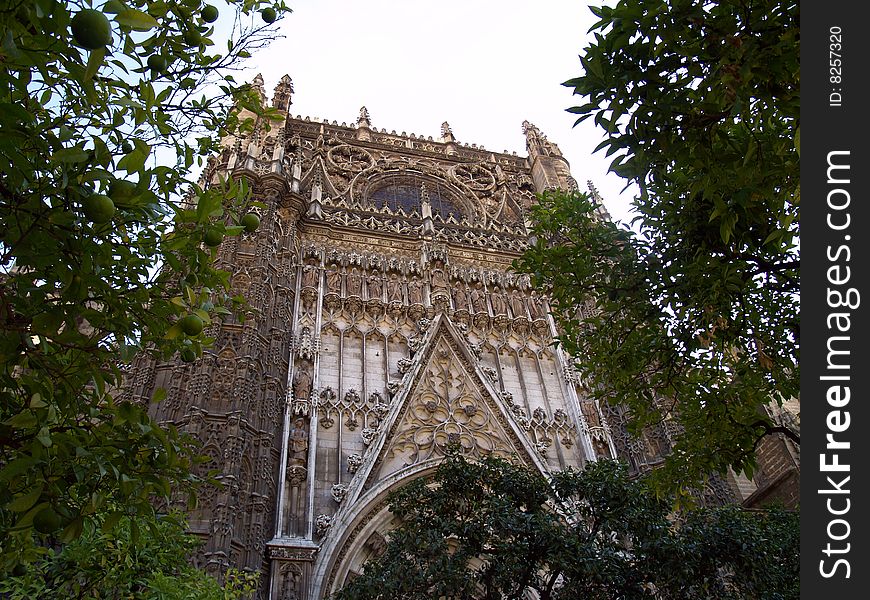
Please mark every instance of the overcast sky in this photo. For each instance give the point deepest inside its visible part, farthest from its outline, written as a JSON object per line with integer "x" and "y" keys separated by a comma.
{"x": 483, "y": 66}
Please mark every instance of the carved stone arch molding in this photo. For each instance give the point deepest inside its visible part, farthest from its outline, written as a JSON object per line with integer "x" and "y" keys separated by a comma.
{"x": 436, "y": 181}
{"x": 347, "y": 542}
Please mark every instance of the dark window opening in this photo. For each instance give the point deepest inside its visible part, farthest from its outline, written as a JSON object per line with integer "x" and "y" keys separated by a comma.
{"x": 407, "y": 194}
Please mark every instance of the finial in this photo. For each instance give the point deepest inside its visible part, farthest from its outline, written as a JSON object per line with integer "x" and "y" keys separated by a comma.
{"x": 446, "y": 133}
{"x": 257, "y": 84}
{"x": 363, "y": 120}
{"x": 281, "y": 98}
{"x": 593, "y": 191}
{"x": 537, "y": 143}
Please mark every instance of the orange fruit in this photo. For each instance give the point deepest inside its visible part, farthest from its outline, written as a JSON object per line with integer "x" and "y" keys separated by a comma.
{"x": 212, "y": 238}
{"x": 98, "y": 208}
{"x": 209, "y": 13}
{"x": 91, "y": 29}
{"x": 250, "y": 222}
{"x": 191, "y": 325}
{"x": 46, "y": 520}
{"x": 192, "y": 37}
{"x": 157, "y": 63}
{"x": 269, "y": 14}
{"x": 122, "y": 192}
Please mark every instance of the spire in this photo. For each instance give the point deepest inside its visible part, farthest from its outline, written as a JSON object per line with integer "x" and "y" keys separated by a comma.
{"x": 363, "y": 125}
{"x": 281, "y": 98}
{"x": 315, "y": 202}
{"x": 550, "y": 170}
{"x": 426, "y": 210}
{"x": 593, "y": 192}
{"x": 598, "y": 201}
{"x": 446, "y": 133}
{"x": 537, "y": 143}
{"x": 259, "y": 86}
{"x": 363, "y": 120}
{"x": 447, "y": 138}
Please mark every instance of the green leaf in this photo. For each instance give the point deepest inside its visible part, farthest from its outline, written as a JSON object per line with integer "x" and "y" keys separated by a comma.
{"x": 72, "y": 531}
{"x": 17, "y": 467}
{"x": 174, "y": 332}
{"x": 44, "y": 436}
{"x": 111, "y": 520}
{"x": 75, "y": 154}
{"x": 23, "y": 420}
{"x": 136, "y": 20}
{"x": 36, "y": 401}
{"x": 113, "y": 7}
{"x": 95, "y": 60}
{"x": 23, "y": 502}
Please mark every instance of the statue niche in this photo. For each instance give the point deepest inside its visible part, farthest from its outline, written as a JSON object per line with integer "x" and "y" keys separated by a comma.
{"x": 298, "y": 443}
{"x": 302, "y": 389}
{"x": 394, "y": 289}
{"x": 375, "y": 286}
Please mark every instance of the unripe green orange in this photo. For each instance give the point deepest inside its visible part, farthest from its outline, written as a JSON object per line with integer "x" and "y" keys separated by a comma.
{"x": 91, "y": 29}
{"x": 46, "y": 520}
{"x": 191, "y": 325}
{"x": 250, "y": 222}
{"x": 209, "y": 13}
{"x": 98, "y": 208}
{"x": 188, "y": 355}
{"x": 192, "y": 37}
{"x": 157, "y": 63}
{"x": 122, "y": 191}
{"x": 269, "y": 14}
{"x": 212, "y": 238}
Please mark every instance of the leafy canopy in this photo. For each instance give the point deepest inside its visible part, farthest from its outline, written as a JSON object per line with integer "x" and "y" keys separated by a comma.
{"x": 693, "y": 317}
{"x": 497, "y": 530}
{"x": 99, "y": 255}
{"x": 143, "y": 558}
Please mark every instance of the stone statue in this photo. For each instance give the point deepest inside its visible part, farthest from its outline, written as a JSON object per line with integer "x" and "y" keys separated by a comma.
{"x": 518, "y": 308}
{"x": 536, "y": 309}
{"x": 499, "y": 307}
{"x": 394, "y": 289}
{"x": 478, "y": 300}
{"x": 333, "y": 282}
{"x": 460, "y": 300}
{"x": 587, "y": 407}
{"x": 297, "y": 444}
{"x": 309, "y": 276}
{"x": 439, "y": 280}
{"x": 415, "y": 292}
{"x": 354, "y": 283}
{"x": 376, "y": 286}
{"x": 302, "y": 384}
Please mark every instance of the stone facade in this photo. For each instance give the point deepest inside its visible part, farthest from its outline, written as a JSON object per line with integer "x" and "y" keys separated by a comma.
{"x": 386, "y": 324}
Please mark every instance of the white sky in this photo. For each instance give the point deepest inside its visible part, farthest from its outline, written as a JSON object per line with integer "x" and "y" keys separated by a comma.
{"x": 483, "y": 66}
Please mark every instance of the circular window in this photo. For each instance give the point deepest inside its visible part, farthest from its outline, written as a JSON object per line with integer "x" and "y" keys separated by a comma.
{"x": 406, "y": 192}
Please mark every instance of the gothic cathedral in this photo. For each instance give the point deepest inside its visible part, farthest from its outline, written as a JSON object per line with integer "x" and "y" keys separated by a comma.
{"x": 386, "y": 324}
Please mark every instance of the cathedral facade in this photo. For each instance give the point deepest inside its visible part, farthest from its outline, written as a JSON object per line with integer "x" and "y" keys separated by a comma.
{"x": 385, "y": 325}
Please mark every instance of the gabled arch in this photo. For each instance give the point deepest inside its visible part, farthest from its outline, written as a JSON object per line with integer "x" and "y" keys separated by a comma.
{"x": 345, "y": 546}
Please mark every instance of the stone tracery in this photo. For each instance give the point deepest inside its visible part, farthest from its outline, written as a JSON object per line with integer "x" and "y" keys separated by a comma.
{"x": 297, "y": 400}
